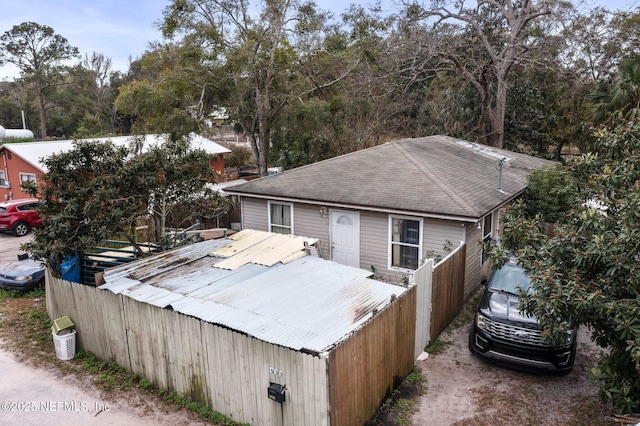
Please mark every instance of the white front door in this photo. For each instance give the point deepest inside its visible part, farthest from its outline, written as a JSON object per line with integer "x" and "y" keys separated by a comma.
{"x": 345, "y": 237}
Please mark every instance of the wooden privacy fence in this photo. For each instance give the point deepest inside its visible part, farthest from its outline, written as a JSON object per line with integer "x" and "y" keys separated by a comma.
{"x": 440, "y": 296}
{"x": 230, "y": 371}
{"x": 365, "y": 368}
{"x": 447, "y": 294}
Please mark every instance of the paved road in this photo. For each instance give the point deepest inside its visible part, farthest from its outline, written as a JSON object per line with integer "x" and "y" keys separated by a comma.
{"x": 10, "y": 246}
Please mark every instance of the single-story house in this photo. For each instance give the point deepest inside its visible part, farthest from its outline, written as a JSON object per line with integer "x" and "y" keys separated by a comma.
{"x": 388, "y": 208}
{"x": 255, "y": 326}
{"x": 22, "y": 161}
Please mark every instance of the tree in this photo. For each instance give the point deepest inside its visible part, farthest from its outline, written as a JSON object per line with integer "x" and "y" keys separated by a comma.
{"x": 173, "y": 178}
{"x": 98, "y": 190}
{"x": 588, "y": 273}
{"x": 482, "y": 44}
{"x": 171, "y": 90}
{"x": 593, "y": 44}
{"x": 15, "y": 105}
{"x": 307, "y": 133}
{"x": 618, "y": 98}
{"x": 266, "y": 52}
{"x": 102, "y": 119}
{"x": 35, "y": 49}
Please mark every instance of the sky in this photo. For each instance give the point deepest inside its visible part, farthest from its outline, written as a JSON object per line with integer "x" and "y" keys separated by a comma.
{"x": 122, "y": 29}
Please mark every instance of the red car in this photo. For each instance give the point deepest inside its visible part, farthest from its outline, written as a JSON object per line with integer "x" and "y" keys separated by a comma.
{"x": 19, "y": 216}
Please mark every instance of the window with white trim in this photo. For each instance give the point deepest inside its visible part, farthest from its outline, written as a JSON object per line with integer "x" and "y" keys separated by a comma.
{"x": 280, "y": 218}
{"x": 405, "y": 242}
{"x": 487, "y": 233}
{"x": 27, "y": 177}
{"x": 3, "y": 179}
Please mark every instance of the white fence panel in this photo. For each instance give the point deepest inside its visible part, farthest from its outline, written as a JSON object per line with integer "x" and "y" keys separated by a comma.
{"x": 422, "y": 278}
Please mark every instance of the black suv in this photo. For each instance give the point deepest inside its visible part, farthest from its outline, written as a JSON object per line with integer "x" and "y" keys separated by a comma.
{"x": 503, "y": 334}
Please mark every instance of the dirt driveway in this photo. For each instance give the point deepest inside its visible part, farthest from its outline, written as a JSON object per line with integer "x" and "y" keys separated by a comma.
{"x": 463, "y": 389}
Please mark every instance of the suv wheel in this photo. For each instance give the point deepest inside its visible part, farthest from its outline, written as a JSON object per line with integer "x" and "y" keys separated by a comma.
{"x": 21, "y": 229}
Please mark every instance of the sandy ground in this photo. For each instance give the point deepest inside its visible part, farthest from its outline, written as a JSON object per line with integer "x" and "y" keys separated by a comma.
{"x": 34, "y": 396}
{"x": 463, "y": 389}
{"x": 10, "y": 246}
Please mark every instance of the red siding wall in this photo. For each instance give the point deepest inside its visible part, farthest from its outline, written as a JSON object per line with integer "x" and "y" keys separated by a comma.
{"x": 13, "y": 165}
{"x": 218, "y": 164}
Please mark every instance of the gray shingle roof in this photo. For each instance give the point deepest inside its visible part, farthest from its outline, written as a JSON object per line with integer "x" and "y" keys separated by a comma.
{"x": 431, "y": 176}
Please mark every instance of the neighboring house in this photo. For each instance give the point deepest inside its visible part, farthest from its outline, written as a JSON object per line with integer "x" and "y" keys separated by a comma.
{"x": 388, "y": 208}
{"x": 20, "y": 162}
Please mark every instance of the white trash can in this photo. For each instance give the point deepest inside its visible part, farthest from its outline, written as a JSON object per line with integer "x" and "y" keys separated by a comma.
{"x": 65, "y": 344}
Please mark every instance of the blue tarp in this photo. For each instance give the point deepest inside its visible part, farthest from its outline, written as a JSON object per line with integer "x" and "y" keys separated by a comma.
{"x": 70, "y": 269}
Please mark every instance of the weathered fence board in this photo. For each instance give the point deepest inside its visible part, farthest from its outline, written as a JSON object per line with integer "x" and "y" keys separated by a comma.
{"x": 230, "y": 371}
{"x": 447, "y": 296}
{"x": 359, "y": 375}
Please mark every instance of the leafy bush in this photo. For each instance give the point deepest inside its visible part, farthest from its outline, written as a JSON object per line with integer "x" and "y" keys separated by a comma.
{"x": 588, "y": 273}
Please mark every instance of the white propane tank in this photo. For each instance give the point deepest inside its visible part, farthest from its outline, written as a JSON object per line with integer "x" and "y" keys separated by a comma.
{"x": 15, "y": 133}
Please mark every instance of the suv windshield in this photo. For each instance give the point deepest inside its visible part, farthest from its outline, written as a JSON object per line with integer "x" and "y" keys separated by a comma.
{"x": 510, "y": 278}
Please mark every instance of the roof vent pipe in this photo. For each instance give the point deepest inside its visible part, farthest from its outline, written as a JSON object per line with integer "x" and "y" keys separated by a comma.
{"x": 500, "y": 163}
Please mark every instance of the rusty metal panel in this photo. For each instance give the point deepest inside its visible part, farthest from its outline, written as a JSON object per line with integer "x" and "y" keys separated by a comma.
{"x": 308, "y": 303}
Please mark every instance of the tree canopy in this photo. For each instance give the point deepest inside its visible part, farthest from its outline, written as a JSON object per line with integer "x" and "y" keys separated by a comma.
{"x": 301, "y": 84}
{"x": 36, "y": 50}
{"x": 271, "y": 54}
{"x": 588, "y": 272}
{"x": 98, "y": 190}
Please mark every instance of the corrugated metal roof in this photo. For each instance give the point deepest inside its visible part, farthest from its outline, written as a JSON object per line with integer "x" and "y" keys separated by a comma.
{"x": 308, "y": 303}
{"x": 263, "y": 248}
{"x": 34, "y": 152}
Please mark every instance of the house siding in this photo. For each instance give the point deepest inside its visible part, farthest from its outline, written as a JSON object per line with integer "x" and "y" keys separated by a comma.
{"x": 255, "y": 214}
{"x": 13, "y": 166}
{"x": 308, "y": 222}
{"x": 439, "y": 234}
{"x": 374, "y": 241}
{"x": 374, "y": 238}
{"x": 474, "y": 269}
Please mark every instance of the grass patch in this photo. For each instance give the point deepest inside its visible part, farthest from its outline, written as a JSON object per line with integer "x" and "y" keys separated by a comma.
{"x": 202, "y": 411}
{"x": 401, "y": 404}
{"x": 438, "y": 346}
{"x": 588, "y": 413}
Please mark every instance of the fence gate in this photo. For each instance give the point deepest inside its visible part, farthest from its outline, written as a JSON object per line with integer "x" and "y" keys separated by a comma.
{"x": 447, "y": 293}
{"x": 440, "y": 295}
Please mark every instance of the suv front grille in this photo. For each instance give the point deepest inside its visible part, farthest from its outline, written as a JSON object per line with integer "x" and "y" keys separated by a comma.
{"x": 512, "y": 333}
